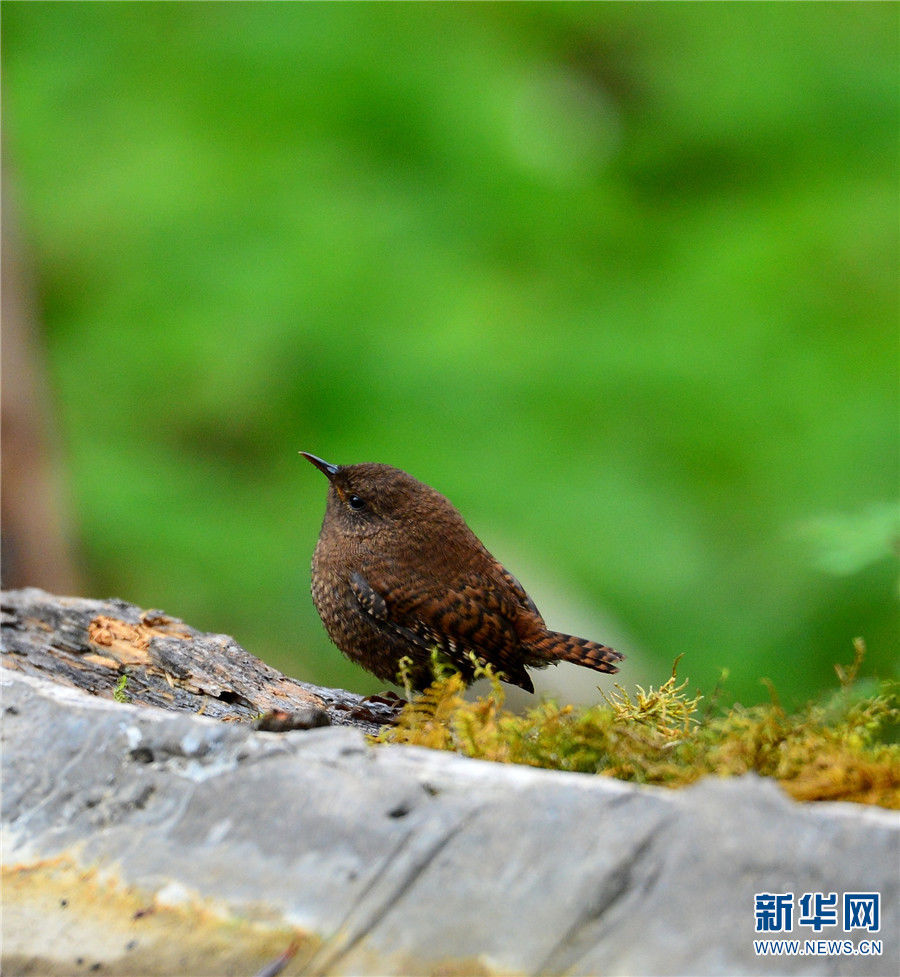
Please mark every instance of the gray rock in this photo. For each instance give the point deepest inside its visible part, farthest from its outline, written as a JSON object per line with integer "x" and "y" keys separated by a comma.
{"x": 393, "y": 860}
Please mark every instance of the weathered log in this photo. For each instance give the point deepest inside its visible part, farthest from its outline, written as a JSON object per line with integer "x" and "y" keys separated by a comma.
{"x": 115, "y": 650}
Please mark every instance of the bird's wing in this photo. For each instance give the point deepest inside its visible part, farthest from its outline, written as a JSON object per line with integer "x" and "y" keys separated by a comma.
{"x": 518, "y": 590}
{"x": 473, "y": 616}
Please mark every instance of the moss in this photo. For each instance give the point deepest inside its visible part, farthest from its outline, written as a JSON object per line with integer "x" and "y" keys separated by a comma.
{"x": 842, "y": 748}
{"x": 120, "y": 693}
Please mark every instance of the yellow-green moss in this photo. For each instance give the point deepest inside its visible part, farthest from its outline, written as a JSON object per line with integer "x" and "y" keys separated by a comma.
{"x": 831, "y": 750}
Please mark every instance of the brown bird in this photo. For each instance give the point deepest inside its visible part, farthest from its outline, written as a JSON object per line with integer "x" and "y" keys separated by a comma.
{"x": 397, "y": 573}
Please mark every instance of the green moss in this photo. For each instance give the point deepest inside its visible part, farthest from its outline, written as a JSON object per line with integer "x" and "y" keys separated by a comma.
{"x": 120, "y": 693}
{"x": 843, "y": 748}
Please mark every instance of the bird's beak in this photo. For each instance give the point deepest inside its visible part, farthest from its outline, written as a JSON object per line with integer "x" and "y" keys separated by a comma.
{"x": 328, "y": 470}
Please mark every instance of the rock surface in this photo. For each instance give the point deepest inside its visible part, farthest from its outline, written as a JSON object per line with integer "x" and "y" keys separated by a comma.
{"x": 140, "y": 841}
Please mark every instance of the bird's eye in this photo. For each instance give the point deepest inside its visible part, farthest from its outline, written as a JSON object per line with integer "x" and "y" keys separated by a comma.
{"x": 355, "y": 502}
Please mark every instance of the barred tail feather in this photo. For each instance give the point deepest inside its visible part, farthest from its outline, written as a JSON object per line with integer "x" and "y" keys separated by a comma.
{"x": 566, "y": 647}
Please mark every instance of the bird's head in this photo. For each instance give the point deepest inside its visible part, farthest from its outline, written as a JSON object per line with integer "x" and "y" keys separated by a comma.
{"x": 365, "y": 500}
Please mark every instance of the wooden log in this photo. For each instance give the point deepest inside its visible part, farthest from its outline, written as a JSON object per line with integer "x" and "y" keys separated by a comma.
{"x": 115, "y": 650}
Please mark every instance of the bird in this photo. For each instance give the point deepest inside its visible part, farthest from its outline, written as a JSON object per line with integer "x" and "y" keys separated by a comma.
{"x": 398, "y": 576}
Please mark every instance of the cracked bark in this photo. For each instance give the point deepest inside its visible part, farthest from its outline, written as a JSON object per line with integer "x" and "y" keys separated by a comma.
{"x": 115, "y": 650}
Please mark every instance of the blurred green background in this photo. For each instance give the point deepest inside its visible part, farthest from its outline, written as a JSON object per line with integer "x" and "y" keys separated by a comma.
{"x": 621, "y": 280}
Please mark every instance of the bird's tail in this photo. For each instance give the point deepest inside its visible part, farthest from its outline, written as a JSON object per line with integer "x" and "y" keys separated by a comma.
{"x": 566, "y": 647}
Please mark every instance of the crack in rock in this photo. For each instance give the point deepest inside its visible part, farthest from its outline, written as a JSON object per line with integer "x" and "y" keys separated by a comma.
{"x": 585, "y": 932}
{"x": 416, "y": 852}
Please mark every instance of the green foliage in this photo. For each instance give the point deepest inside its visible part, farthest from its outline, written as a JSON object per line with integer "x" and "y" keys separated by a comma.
{"x": 619, "y": 279}
{"x": 119, "y": 693}
{"x": 831, "y": 751}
